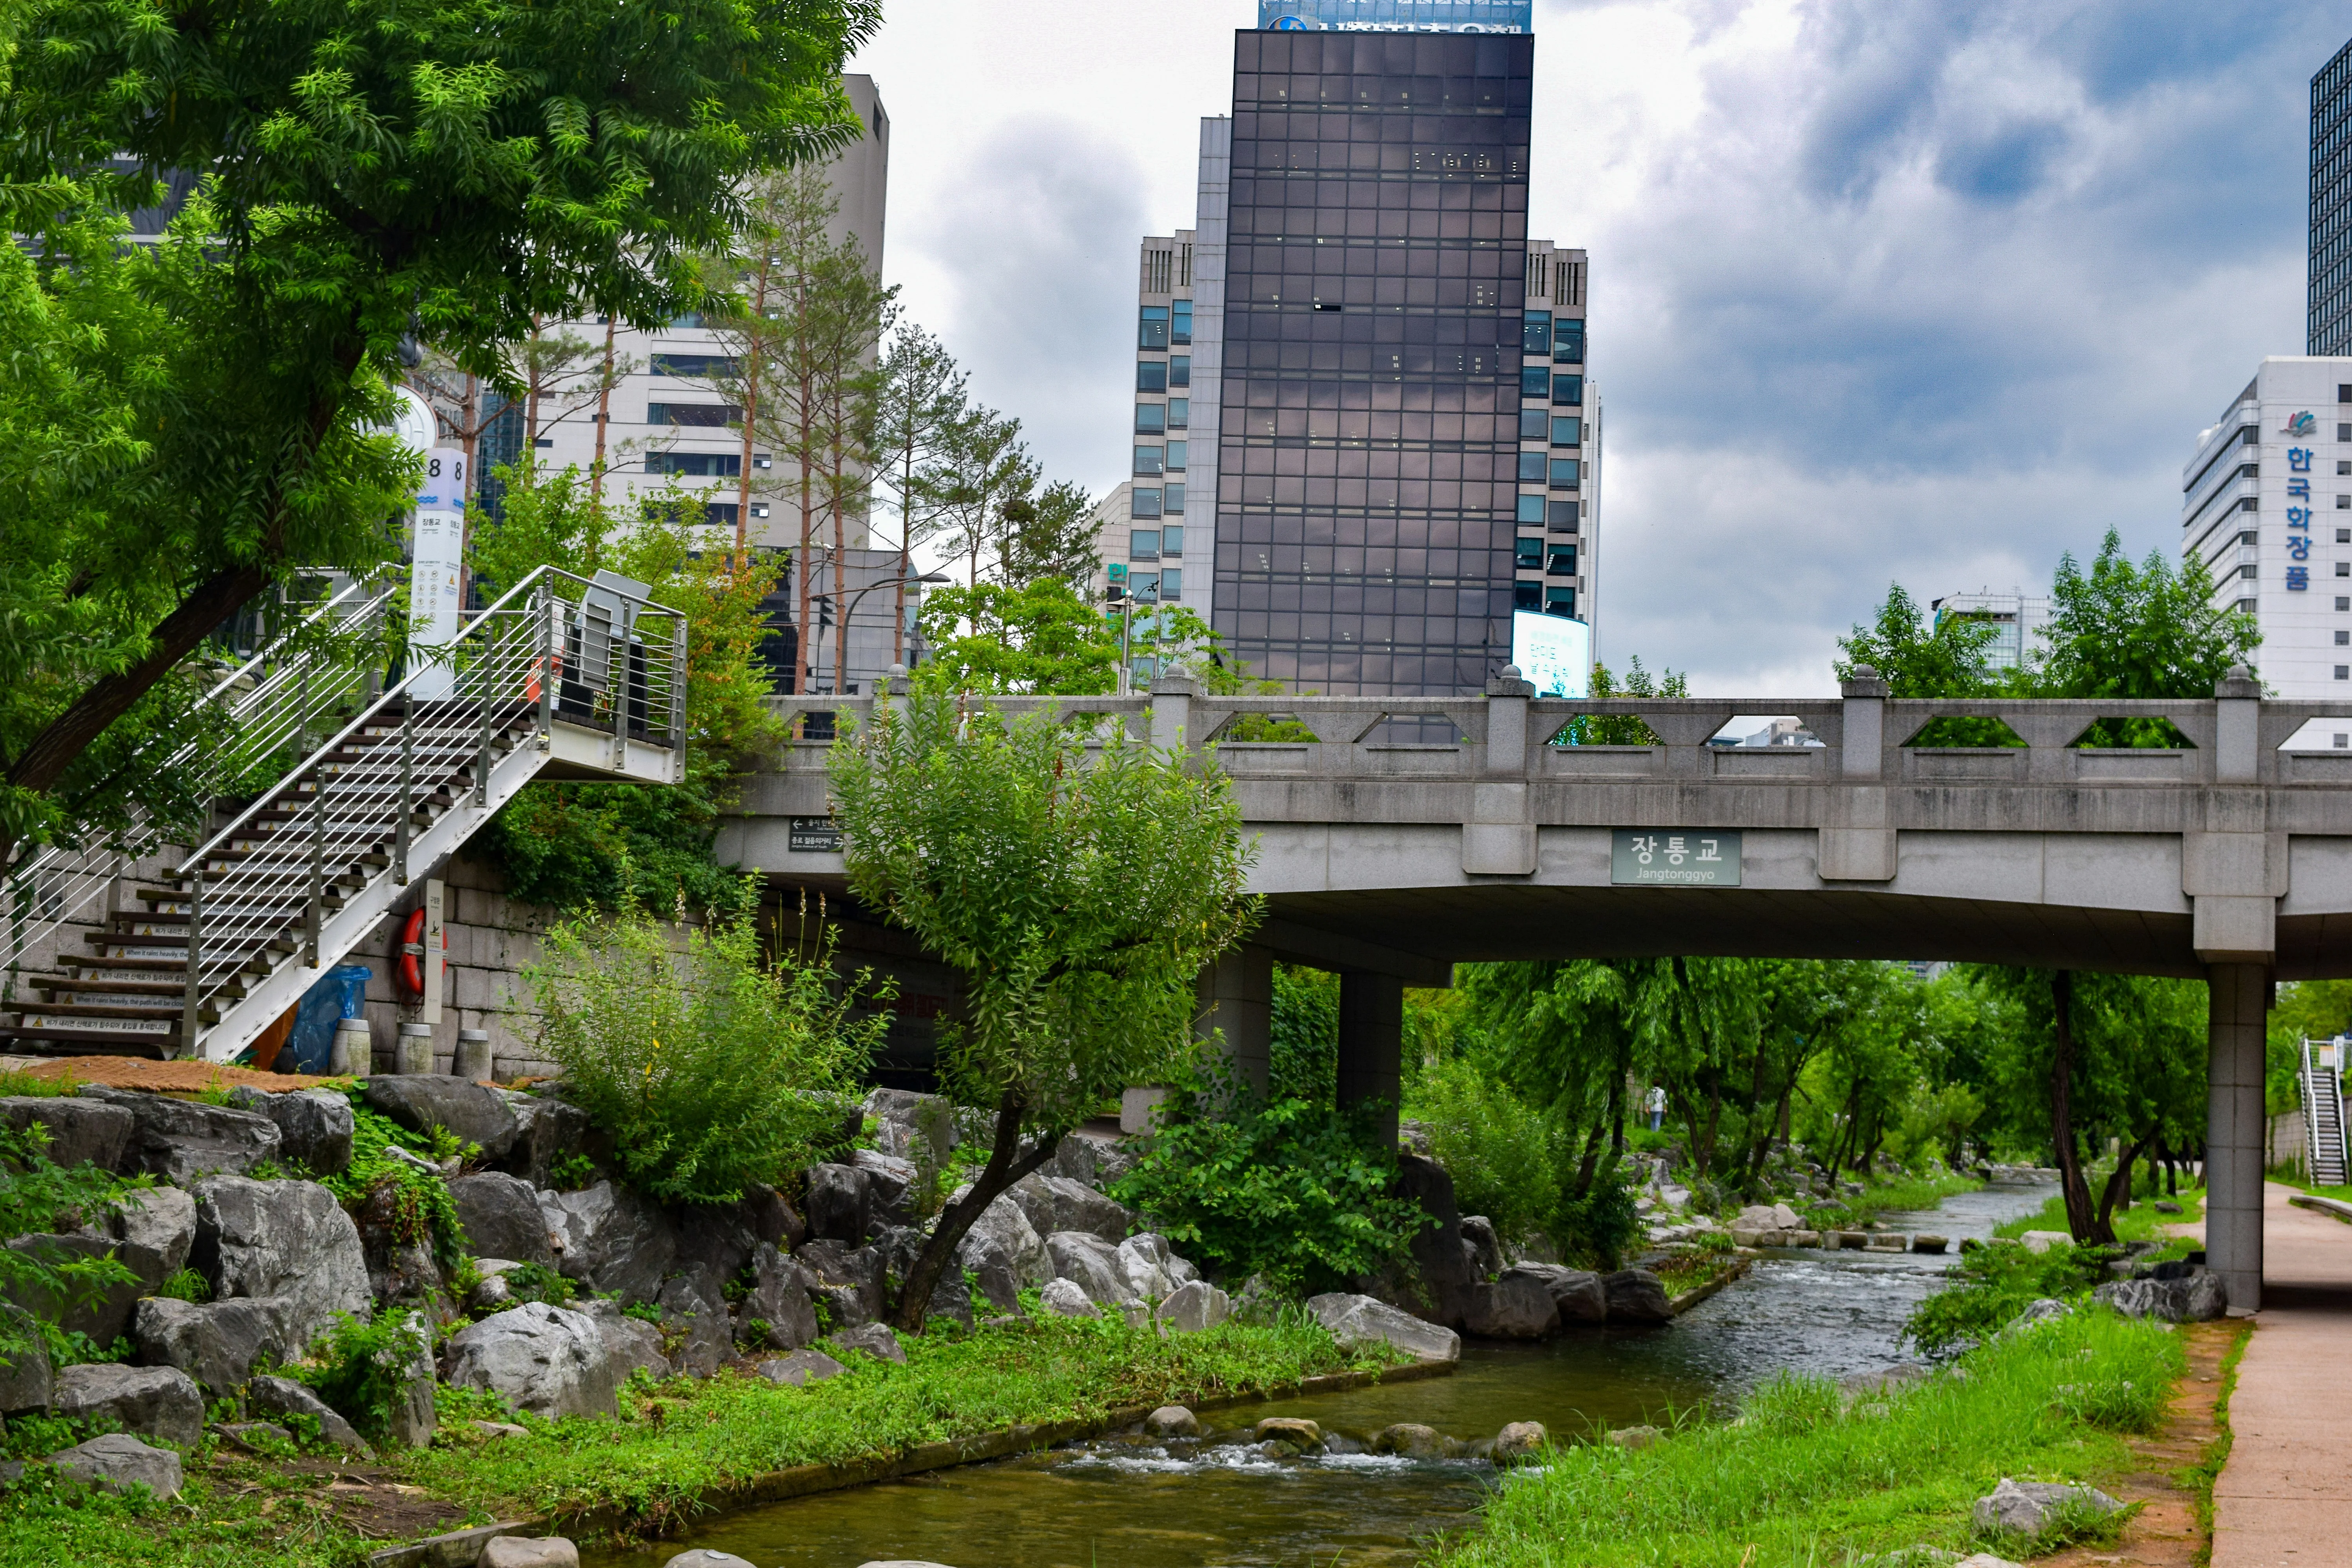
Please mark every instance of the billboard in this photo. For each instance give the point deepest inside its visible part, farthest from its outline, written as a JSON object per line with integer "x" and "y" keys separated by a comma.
{"x": 1552, "y": 651}
{"x": 1396, "y": 15}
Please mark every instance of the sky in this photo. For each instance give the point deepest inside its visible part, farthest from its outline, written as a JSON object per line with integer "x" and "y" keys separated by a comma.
{"x": 1880, "y": 292}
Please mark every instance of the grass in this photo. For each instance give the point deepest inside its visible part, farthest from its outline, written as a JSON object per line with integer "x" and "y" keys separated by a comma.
{"x": 1804, "y": 1480}
{"x": 674, "y": 1444}
{"x": 2139, "y": 1223}
{"x": 1909, "y": 1193}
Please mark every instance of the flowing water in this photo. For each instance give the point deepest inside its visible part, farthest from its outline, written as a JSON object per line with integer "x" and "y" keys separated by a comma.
{"x": 1129, "y": 1503}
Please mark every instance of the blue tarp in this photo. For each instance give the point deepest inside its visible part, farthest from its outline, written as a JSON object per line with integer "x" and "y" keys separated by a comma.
{"x": 341, "y": 992}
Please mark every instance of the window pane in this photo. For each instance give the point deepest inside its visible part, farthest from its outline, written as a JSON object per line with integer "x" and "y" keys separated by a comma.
{"x": 1526, "y": 596}
{"x": 1564, "y": 516}
{"x": 1568, "y": 342}
{"x": 1176, "y": 456}
{"x": 1179, "y": 413}
{"x": 1143, "y": 545}
{"x": 1153, "y": 333}
{"x": 1531, "y": 466}
{"x": 1530, "y": 553}
{"x": 1145, "y": 585}
{"x": 1560, "y": 562}
{"x": 1150, "y": 418}
{"x": 1531, "y": 423}
{"x": 1152, "y": 376}
{"x": 1563, "y": 473}
{"x": 1172, "y": 541}
{"x": 1172, "y": 583}
{"x": 1532, "y": 380}
{"x": 1566, "y": 388}
{"x": 1146, "y": 503}
{"x": 1175, "y": 501}
{"x": 1181, "y": 326}
{"x": 1559, "y": 600}
{"x": 1179, "y": 370}
{"x": 1535, "y": 332}
{"x": 1568, "y": 432}
{"x": 1146, "y": 459}
{"x": 1531, "y": 509}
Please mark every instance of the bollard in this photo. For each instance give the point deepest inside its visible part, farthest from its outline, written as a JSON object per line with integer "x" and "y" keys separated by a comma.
{"x": 352, "y": 1053}
{"x": 472, "y": 1061}
{"x": 415, "y": 1053}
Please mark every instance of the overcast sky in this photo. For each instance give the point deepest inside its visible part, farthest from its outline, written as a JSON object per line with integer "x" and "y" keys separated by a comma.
{"x": 1881, "y": 291}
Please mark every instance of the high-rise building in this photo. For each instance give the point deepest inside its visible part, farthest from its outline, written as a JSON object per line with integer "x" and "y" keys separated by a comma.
{"x": 2266, "y": 504}
{"x": 1371, "y": 434}
{"x": 2329, "y": 301}
{"x": 2016, "y": 618}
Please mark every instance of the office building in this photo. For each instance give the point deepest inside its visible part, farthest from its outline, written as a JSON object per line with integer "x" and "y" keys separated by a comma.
{"x": 2266, "y": 504}
{"x": 2016, "y": 617}
{"x": 2328, "y": 297}
{"x": 1369, "y": 432}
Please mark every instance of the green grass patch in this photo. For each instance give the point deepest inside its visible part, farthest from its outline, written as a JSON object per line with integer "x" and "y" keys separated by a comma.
{"x": 1909, "y": 1193}
{"x": 2139, "y": 1223}
{"x": 239, "y": 1513}
{"x": 1805, "y": 1479}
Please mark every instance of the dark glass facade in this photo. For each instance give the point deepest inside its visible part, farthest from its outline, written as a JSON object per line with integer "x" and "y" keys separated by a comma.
{"x": 2328, "y": 297}
{"x": 1368, "y": 447}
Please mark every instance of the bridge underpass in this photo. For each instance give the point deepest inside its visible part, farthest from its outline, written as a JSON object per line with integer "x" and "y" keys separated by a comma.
{"x": 2229, "y": 858}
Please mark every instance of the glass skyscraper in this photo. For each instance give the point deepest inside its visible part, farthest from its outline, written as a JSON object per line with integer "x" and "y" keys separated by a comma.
{"x": 2328, "y": 299}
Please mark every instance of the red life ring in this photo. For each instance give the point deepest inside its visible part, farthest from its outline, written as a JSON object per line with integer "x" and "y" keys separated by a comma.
{"x": 408, "y": 975}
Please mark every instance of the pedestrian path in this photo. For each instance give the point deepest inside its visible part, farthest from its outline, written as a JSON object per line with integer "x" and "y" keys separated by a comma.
{"x": 2284, "y": 1499}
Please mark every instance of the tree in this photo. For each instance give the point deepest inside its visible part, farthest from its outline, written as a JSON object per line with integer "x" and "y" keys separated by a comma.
{"x": 2137, "y": 633}
{"x": 1918, "y": 656}
{"x": 1049, "y": 538}
{"x": 1040, "y": 640}
{"x": 1078, "y": 894}
{"x": 984, "y": 469}
{"x": 1620, "y": 730}
{"x": 372, "y": 175}
{"x": 919, "y": 402}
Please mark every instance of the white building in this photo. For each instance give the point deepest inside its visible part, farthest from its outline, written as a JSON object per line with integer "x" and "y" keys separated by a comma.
{"x": 2266, "y": 504}
{"x": 2017, "y": 619}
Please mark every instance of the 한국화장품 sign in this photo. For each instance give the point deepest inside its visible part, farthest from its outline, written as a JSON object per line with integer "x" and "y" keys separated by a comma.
{"x": 1674, "y": 858}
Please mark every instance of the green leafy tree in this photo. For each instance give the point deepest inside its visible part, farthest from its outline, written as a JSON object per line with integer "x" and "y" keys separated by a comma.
{"x": 1625, "y": 728}
{"x": 920, "y": 399}
{"x": 1919, "y": 655}
{"x": 1078, "y": 892}
{"x": 1038, "y": 641}
{"x": 1050, "y": 537}
{"x": 2138, "y": 633}
{"x": 369, "y": 174}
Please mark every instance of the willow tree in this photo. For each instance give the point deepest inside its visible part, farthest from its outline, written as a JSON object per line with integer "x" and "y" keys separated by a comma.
{"x": 1077, "y": 890}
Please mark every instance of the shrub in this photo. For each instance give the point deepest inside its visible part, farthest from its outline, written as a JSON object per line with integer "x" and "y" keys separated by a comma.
{"x": 538, "y": 1282}
{"x": 1991, "y": 1285}
{"x": 1500, "y": 1152}
{"x": 36, "y": 1195}
{"x": 359, "y": 1369}
{"x": 421, "y": 1211}
{"x": 712, "y": 1068}
{"x": 1303, "y": 1044}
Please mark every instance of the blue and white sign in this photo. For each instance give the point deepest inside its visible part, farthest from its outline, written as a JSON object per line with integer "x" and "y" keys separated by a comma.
{"x": 2298, "y": 519}
{"x": 1396, "y": 15}
{"x": 1552, "y": 651}
{"x": 436, "y": 559}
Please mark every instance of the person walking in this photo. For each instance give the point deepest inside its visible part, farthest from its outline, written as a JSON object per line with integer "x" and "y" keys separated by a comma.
{"x": 1655, "y": 1102}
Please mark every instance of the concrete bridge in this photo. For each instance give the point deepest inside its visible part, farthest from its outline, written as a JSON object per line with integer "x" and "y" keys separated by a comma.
{"x": 2228, "y": 859}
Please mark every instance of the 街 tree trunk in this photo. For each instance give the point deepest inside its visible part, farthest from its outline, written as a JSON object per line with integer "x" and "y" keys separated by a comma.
{"x": 2082, "y": 1223}
{"x": 2118, "y": 1193}
{"x": 1006, "y": 1164}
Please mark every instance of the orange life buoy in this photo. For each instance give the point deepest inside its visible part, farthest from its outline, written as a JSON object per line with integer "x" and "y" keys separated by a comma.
{"x": 409, "y": 973}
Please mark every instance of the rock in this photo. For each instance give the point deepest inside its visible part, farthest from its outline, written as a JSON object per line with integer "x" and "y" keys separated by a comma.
{"x": 105, "y": 1318}
{"x": 27, "y": 1382}
{"x": 1194, "y": 1309}
{"x": 1295, "y": 1429}
{"x": 1519, "y": 1440}
{"x": 611, "y": 1240}
{"x": 915, "y": 1127}
{"x": 179, "y": 1140}
{"x": 150, "y": 1401}
{"x": 1977, "y": 1559}
{"x": 1090, "y": 1263}
{"x": 1143, "y": 1261}
{"x": 2042, "y": 1311}
{"x": 1360, "y": 1319}
{"x": 1003, "y": 1224}
{"x": 401, "y": 1266}
{"x": 219, "y": 1344}
{"x": 157, "y": 1229}
{"x": 1633, "y": 1437}
{"x": 703, "y": 1557}
{"x": 2163, "y": 1205}
{"x": 1518, "y": 1306}
{"x": 993, "y": 1271}
{"x": 1057, "y": 1202}
{"x": 694, "y": 1307}
{"x": 251, "y": 1435}
{"x": 1579, "y": 1293}
{"x": 1410, "y": 1439}
{"x": 282, "y": 1396}
{"x": 1636, "y": 1296}
{"x": 285, "y": 1238}
{"x": 1065, "y": 1299}
{"x": 315, "y": 1125}
{"x": 840, "y": 1204}
{"x": 1441, "y": 1276}
{"x": 548, "y": 1360}
{"x": 631, "y": 1345}
{"x": 118, "y": 1462}
{"x": 1486, "y": 1247}
{"x": 1926, "y": 1242}
{"x": 2030, "y": 1507}
{"x": 875, "y": 1340}
{"x": 81, "y": 1131}
{"x": 502, "y": 1218}
{"x": 850, "y": 1281}
{"x": 528, "y": 1551}
{"x": 779, "y": 1299}
{"x": 423, "y": 1101}
{"x": 801, "y": 1368}
{"x": 413, "y": 1416}
{"x": 2196, "y": 1298}
{"x": 718, "y": 1237}
{"x": 893, "y": 1185}
{"x": 2043, "y": 1241}
{"x": 549, "y": 1133}
{"x": 497, "y": 1431}
{"x": 1094, "y": 1157}
{"x": 1172, "y": 1421}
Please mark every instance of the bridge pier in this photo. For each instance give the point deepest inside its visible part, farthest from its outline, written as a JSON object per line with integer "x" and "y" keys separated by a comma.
{"x": 1371, "y": 1044}
{"x": 1236, "y": 1000}
{"x": 2238, "y": 997}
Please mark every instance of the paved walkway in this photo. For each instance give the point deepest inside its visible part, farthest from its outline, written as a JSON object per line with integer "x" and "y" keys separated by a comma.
{"x": 2284, "y": 1499}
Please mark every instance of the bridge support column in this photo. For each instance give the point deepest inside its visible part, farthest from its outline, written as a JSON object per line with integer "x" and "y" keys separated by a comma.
{"x": 1236, "y": 1000}
{"x": 1371, "y": 1043}
{"x": 2239, "y": 996}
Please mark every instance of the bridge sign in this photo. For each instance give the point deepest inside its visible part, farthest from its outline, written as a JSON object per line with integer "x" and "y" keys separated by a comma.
{"x": 1682, "y": 858}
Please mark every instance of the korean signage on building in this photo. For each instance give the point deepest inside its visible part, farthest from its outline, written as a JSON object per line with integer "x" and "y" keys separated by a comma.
{"x": 813, "y": 835}
{"x": 1673, "y": 857}
{"x": 2298, "y": 519}
{"x": 1396, "y": 15}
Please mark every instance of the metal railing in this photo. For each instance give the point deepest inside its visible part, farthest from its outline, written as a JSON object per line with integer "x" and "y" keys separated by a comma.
{"x": 2326, "y": 1156}
{"x": 275, "y": 701}
{"x": 555, "y": 648}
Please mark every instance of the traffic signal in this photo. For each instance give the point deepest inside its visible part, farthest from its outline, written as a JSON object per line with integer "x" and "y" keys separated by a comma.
{"x": 823, "y": 612}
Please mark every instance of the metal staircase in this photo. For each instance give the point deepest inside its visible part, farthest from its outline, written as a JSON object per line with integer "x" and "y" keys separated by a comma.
{"x": 2322, "y": 1081}
{"x": 562, "y": 677}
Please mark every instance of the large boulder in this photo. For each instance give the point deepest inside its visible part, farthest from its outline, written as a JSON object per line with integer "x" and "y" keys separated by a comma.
{"x": 801, "y": 1368}
{"x": 631, "y": 1344}
{"x": 159, "y": 1402}
{"x": 118, "y": 1462}
{"x": 402, "y": 1269}
{"x": 694, "y": 1310}
{"x": 550, "y": 1134}
{"x": 1636, "y": 1296}
{"x": 1192, "y": 1308}
{"x": 550, "y": 1361}
{"x": 2200, "y": 1297}
{"x": 982, "y": 1257}
{"x": 2030, "y": 1507}
{"x": 1360, "y": 1319}
{"x": 917, "y": 1127}
{"x": 876, "y": 1340}
{"x": 423, "y": 1101}
{"x": 155, "y": 1230}
{"x": 779, "y": 1299}
{"x": 104, "y": 1318}
{"x": 1577, "y": 1293}
{"x": 611, "y": 1240}
{"x": 893, "y": 1183}
{"x": 1144, "y": 1261}
{"x": 1006, "y": 1225}
{"x": 282, "y": 1397}
{"x": 283, "y": 1239}
{"x": 850, "y": 1279}
{"x": 316, "y": 1124}
{"x": 81, "y": 1131}
{"x": 1486, "y": 1247}
{"x": 1442, "y": 1276}
{"x": 219, "y": 1344}
{"x": 1515, "y": 1306}
{"x": 1067, "y": 1298}
{"x": 1095, "y": 1157}
{"x": 181, "y": 1140}
{"x": 27, "y": 1382}
{"x": 1092, "y": 1264}
{"x": 1056, "y": 1203}
{"x": 718, "y": 1237}
{"x": 502, "y": 1217}
{"x": 840, "y": 1204}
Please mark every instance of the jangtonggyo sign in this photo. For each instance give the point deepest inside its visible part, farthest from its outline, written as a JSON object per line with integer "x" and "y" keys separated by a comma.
{"x": 1396, "y": 15}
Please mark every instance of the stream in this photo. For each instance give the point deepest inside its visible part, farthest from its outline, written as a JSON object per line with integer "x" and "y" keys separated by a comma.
{"x": 1130, "y": 1502}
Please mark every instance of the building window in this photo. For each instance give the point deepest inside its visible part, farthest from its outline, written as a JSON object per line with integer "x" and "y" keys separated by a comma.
{"x": 1530, "y": 554}
{"x": 1531, "y": 509}
{"x": 1531, "y": 467}
{"x": 709, "y": 365}
{"x": 718, "y": 414}
{"x": 1534, "y": 381}
{"x": 2246, "y": 572}
{"x": 2344, "y": 503}
{"x": 1144, "y": 586}
{"x": 2344, "y": 536}
{"x": 2343, "y": 640}
{"x": 1145, "y": 502}
{"x": 1535, "y": 332}
{"x": 1152, "y": 376}
{"x": 1526, "y": 596}
{"x": 720, "y": 514}
{"x": 2344, "y": 568}
{"x": 762, "y": 460}
{"x": 1172, "y": 583}
{"x": 1531, "y": 423}
{"x": 1179, "y": 370}
{"x": 2344, "y": 672}
{"x": 1564, "y": 515}
{"x": 1180, "y": 325}
{"x": 1150, "y": 418}
{"x": 1560, "y": 600}
{"x": 1143, "y": 545}
{"x": 1176, "y": 456}
{"x": 1568, "y": 342}
{"x": 2343, "y": 433}
{"x": 2344, "y": 391}
{"x": 1172, "y": 540}
{"x": 1567, "y": 389}
{"x": 1179, "y": 413}
{"x": 1176, "y": 501}
{"x": 1147, "y": 460}
{"x": 1560, "y": 561}
{"x": 2344, "y": 465}
{"x": 696, "y": 464}
{"x": 1564, "y": 472}
{"x": 1568, "y": 431}
{"x": 1153, "y": 333}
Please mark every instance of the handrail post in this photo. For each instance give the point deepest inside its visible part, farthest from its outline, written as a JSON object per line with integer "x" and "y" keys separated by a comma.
{"x": 548, "y": 674}
{"x": 407, "y": 789}
{"x": 677, "y": 686}
{"x": 191, "y": 1001}
{"x": 616, "y": 687}
{"x": 487, "y": 667}
{"x": 314, "y": 911}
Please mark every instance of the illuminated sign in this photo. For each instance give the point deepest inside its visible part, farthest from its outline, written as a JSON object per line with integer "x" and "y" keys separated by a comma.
{"x": 1396, "y": 15}
{"x": 1552, "y": 651}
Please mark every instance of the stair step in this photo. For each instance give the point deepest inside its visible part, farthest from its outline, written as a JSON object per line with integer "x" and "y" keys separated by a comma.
{"x": 154, "y": 1013}
{"x": 59, "y": 985}
{"x": 43, "y": 1041}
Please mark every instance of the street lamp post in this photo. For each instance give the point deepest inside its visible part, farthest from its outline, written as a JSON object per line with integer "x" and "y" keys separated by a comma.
{"x": 856, "y": 598}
